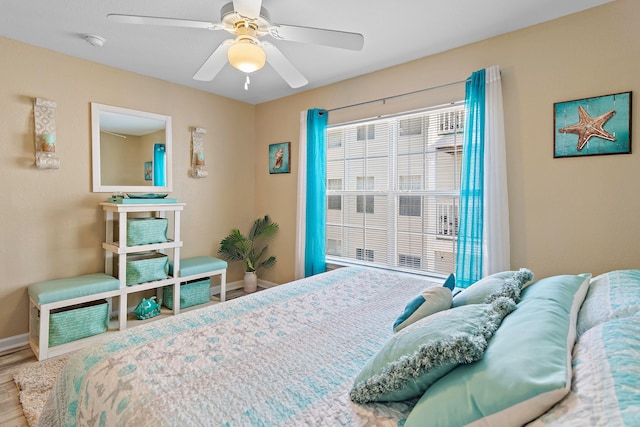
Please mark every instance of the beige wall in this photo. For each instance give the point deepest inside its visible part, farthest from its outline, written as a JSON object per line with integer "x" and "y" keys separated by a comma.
{"x": 568, "y": 215}
{"x": 51, "y": 225}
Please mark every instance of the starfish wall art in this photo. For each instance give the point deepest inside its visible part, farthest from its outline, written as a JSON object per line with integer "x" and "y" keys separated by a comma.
{"x": 592, "y": 126}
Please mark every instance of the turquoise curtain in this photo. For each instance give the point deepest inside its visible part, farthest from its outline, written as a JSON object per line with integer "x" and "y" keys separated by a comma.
{"x": 470, "y": 234}
{"x": 159, "y": 165}
{"x": 314, "y": 254}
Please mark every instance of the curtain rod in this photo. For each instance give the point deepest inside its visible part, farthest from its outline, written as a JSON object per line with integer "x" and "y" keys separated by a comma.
{"x": 385, "y": 99}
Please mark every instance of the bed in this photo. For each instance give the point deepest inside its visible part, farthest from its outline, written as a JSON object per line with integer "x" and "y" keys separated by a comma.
{"x": 303, "y": 353}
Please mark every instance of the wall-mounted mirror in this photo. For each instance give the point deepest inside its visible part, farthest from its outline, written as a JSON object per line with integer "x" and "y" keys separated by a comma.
{"x": 131, "y": 150}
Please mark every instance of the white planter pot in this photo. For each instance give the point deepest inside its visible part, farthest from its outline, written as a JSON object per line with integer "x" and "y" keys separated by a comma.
{"x": 250, "y": 282}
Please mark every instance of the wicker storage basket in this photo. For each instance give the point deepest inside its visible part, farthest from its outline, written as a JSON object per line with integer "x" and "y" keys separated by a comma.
{"x": 145, "y": 267}
{"x": 143, "y": 231}
{"x": 191, "y": 293}
{"x": 78, "y": 321}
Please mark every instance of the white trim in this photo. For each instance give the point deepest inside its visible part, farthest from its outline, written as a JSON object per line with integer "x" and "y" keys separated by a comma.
{"x": 15, "y": 341}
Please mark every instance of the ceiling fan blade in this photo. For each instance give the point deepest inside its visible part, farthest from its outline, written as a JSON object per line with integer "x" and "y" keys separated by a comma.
{"x": 333, "y": 38}
{"x": 283, "y": 66}
{"x": 248, "y": 8}
{"x": 214, "y": 63}
{"x": 168, "y": 22}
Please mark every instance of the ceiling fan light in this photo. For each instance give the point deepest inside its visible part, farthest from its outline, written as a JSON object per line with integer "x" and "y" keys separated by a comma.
{"x": 246, "y": 56}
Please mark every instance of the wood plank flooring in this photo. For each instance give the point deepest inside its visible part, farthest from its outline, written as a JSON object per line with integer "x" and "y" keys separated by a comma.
{"x": 12, "y": 361}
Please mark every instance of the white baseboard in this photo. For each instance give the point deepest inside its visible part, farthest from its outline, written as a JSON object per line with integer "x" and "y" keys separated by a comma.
{"x": 239, "y": 284}
{"x": 15, "y": 341}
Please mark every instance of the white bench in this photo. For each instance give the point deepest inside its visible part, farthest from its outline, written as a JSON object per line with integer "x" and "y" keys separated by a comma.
{"x": 53, "y": 294}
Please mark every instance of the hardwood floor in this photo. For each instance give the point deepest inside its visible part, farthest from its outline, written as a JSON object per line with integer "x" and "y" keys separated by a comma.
{"x": 12, "y": 361}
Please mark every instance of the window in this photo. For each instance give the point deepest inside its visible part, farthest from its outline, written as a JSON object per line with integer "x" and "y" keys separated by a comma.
{"x": 409, "y": 261}
{"x": 334, "y": 202}
{"x": 366, "y": 132}
{"x": 409, "y": 205}
{"x": 396, "y": 181}
{"x": 364, "y": 203}
{"x": 334, "y": 140}
{"x": 334, "y": 247}
{"x": 412, "y": 126}
{"x": 334, "y": 184}
{"x": 364, "y": 254}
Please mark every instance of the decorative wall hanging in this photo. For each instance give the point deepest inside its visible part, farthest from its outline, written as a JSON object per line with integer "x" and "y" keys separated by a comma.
{"x": 280, "y": 157}
{"x": 197, "y": 153}
{"x": 593, "y": 126}
{"x": 44, "y": 115}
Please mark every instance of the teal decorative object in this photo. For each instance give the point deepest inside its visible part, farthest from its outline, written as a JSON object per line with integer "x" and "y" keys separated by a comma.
{"x": 147, "y": 308}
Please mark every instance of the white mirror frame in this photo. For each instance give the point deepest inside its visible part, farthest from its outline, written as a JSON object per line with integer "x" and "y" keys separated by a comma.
{"x": 96, "y": 109}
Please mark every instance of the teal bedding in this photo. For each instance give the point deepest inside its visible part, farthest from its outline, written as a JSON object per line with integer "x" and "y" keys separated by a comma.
{"x": 284, "y": 356}
{"x": 288, "y": 356}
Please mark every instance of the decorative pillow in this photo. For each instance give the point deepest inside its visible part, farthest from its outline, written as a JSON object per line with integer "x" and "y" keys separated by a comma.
{"x": 420, "y": 354}
{"x": 526, "y": 368}
{"x": 450, "y": 282}
{"x": 611, "y": 295}
{"x": 480, "y": 290}
{"x": 604, "y": 390}
{"x": 430, "y": 301}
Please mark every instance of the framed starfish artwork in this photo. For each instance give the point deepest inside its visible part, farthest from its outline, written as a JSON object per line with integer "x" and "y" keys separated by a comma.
{"x": 280, "y": 157}
{"x": 593, "y": 126}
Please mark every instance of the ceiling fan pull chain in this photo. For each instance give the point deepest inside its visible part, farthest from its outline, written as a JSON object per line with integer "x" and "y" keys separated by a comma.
{"x": 246, "y": 83}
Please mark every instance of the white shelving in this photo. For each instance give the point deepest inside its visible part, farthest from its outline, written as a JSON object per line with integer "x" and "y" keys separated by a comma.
{"x": 115, "y": 246}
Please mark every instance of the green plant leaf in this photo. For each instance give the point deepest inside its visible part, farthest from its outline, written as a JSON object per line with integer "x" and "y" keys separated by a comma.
{"x": 237, "y": 247}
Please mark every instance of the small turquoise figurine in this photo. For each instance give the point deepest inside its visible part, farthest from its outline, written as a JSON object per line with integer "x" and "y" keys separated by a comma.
{"x": 147, "y": 309}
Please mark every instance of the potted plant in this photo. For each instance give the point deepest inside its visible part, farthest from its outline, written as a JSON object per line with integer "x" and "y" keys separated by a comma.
{"x": 250, "y": 249}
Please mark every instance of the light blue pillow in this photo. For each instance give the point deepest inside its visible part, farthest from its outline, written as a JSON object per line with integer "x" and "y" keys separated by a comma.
{"x": 430, "y": 301}
{"x": 611, "y": 295}
{"x": 480, "y": 290}
{"x": 420, "y": 354}
{"x": 526, "y": 368}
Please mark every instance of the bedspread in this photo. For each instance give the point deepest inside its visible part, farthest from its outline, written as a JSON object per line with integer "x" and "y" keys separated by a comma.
{"x": 284, "y": 356}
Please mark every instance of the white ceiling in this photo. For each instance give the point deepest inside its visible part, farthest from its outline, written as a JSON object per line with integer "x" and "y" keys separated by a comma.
{"x": 395, "y": 31}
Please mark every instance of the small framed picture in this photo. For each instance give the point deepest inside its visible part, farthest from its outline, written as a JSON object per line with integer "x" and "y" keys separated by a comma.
{"x": 148, "y": 171}
{"x": 280, "y": 157}
{"x": 593, "y": 126}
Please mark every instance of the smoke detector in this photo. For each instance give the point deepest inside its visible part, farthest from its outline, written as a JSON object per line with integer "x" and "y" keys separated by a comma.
{"x": 94, "y": 40}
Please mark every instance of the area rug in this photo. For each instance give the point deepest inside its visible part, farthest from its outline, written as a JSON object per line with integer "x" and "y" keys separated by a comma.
{"x": 35, "y": 382}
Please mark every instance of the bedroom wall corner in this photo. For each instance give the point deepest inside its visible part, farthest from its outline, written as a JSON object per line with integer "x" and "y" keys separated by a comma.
{"x": 51, "y": 224}
{"x": 568, "y": 215}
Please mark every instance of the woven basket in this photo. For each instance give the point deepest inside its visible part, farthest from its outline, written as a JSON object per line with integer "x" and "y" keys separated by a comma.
{"x": 143, "y": 231}
{"x": 145, "y": 267}
{"x": 191, "y": 293}
{"x": 78, "y": 321}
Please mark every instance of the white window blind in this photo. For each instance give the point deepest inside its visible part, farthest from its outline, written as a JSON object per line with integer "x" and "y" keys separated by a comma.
{"x": 393, "y": 187}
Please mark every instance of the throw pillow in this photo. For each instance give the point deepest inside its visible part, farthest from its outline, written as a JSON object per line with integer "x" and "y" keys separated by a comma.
{"x": 526, "y": 368}
{"x": 480, "y": 290}
{"x": 420, "y": 354}
{"x": 430, "y": 301}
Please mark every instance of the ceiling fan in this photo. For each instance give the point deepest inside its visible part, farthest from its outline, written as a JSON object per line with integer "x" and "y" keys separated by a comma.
{"x": 249, "y": 22}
